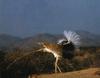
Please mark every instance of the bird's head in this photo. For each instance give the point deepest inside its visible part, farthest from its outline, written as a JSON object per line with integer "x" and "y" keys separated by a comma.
{"x": 71, "y": 38}
{"x": 69, "y": 43}
{"x": 62, "y": 41}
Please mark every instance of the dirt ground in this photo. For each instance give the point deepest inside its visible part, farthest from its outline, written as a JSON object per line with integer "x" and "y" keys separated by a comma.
{"x": 87, "y": 73}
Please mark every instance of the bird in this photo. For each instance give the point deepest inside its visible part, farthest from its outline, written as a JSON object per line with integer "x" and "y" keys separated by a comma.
{"x": 61, "y": 48}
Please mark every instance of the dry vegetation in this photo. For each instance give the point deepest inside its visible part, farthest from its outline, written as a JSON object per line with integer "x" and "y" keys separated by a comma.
{"x": 38, "y": 63}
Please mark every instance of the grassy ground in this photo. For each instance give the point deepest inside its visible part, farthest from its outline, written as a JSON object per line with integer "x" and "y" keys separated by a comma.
{"x": 87, "y": 73}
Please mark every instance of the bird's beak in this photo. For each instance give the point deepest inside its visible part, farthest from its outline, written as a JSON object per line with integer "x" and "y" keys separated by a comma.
{"x": 59, "y": 43}
{"x": 66, "y": 43}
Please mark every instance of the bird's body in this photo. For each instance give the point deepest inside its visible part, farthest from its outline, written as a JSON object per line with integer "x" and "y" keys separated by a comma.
{"x": 64, "y": 47}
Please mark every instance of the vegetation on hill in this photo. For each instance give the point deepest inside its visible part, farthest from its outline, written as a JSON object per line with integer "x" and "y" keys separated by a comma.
{"x": 20, "y": 60}
{"x": 39, "y": 63}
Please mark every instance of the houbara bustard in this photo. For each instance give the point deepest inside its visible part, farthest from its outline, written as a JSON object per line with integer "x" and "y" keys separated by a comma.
{"x": 62, "y": 48}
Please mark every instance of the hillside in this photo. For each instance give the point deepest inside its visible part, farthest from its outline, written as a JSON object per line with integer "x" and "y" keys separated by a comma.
{"x": 8, "y": 40}
{"x": 31, "y": 42}
{"x": 87, "y": 39}
{"x": 43, "y": 63}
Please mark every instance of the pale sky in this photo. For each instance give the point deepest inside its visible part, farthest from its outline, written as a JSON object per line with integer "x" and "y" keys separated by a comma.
{"x": 28, "y": 17}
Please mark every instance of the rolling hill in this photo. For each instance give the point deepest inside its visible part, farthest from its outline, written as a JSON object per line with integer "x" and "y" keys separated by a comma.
{"x": 8, "y": 40}
{"x": 87, "y": 39}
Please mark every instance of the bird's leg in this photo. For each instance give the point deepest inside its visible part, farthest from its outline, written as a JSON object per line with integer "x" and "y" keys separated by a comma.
{"x": 59, "y": 68}
{"x": 56, "y": 65}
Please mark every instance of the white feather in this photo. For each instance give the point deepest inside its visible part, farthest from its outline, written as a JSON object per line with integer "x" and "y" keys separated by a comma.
{"x": 72, "y": 37}
{"x": 60, "y": 41}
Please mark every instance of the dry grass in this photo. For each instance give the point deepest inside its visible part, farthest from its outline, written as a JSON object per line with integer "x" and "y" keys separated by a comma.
{"x": 87, "y": 73}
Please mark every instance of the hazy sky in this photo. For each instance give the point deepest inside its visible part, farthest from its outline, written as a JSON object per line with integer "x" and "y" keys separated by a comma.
{"x": 29, "y": 17}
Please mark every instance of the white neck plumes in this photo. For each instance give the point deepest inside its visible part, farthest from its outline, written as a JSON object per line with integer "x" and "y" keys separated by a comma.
{"x": 51, "y": 51}
{"x": 55, "y": 49}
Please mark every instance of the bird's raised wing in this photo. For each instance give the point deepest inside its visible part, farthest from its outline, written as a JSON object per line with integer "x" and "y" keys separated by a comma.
{"x": 72, "y": 37}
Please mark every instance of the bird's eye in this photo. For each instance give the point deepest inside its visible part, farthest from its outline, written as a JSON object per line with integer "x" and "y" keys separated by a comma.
{"x": 64, "y": 42}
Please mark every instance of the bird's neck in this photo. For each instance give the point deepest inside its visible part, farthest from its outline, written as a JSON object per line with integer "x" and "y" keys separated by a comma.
{"x": 49, "y": 50}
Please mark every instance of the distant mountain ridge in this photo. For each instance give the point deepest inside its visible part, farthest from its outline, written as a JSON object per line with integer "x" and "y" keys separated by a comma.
{"x": 87, "y": 39}
{"x": 30, "y": 42}
{"x": 8, "y": 40}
